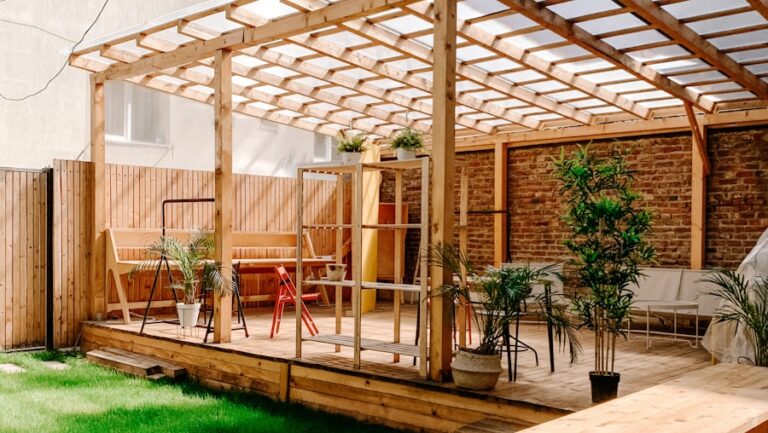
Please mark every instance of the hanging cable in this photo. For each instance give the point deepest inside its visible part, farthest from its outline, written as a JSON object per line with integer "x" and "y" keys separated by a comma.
{"x": 64, "y": 65}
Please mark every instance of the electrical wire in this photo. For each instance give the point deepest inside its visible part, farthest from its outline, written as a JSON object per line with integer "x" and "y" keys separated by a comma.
{"x": 64, "y": 65}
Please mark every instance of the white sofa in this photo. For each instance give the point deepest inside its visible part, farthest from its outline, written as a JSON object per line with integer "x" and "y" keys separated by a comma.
{"x": 674, "y": 284}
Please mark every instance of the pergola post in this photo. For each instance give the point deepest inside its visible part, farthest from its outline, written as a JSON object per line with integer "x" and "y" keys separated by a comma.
{"x": 443, "y": 159}
{"x": 699, "y": 173}
{"x": 222, "y": 87}
{"x": 97, "y": 297}
{"x": 500, "y": 204}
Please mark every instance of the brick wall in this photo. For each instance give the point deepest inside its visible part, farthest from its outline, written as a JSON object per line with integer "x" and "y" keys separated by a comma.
{"x": 737, "y": 194}
{"x": 480, "y": 233}
{"x": 737, "y": 197}
{"x": 662, "y": 166}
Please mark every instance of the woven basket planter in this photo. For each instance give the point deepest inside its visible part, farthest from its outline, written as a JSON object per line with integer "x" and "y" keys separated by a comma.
{"x": 473, "y": 371}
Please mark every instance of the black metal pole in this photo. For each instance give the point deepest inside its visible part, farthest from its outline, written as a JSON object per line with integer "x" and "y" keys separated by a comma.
{"x": 49, "y": 330}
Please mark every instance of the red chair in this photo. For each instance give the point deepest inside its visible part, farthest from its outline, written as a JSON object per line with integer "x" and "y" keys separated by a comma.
{"x": 287, "y": 295}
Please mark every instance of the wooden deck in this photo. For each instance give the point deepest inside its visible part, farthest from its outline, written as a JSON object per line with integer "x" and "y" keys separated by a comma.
{"x": 565, "y": 391}
{"x": 726, "y": 398}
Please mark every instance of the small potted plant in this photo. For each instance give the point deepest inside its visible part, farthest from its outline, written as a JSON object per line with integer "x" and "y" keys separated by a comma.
{"x": 406, "y": 143}
{"x": 745, "y": 306}
{"x": 351, "y": 146}
{"x": 192, "y": 260}
{"x": 608, "y": 240}
{"x": 496, "y": 299}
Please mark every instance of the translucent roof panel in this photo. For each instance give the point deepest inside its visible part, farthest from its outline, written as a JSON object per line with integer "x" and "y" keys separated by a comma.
{"x": 578, "y": 8}
{"x": 515, "y": 71}
{"x": 692, "y": 8}
{"x": 469, "y": 9}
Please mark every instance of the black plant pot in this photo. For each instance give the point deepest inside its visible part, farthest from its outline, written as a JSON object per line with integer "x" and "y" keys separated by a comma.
{"x": 604, "y": 386}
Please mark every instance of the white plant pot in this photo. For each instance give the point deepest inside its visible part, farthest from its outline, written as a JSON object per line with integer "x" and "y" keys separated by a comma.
{"x": 351, "y": 157}
{"x": 404, "y": 154}
{"x": 335, "y": 272}
{"x": 188, "y": 314}
{"x": 473, "y": 371}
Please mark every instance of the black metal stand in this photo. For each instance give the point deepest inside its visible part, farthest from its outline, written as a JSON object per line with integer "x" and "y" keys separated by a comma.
{"x": 164, "y": 260}
{"x": 240, "y": 312}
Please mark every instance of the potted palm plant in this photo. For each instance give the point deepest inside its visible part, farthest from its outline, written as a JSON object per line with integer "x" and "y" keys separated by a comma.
{"x": 351, "y": 146}
{"x": 496, "y": 298}
{"x": 193, "y": 260}
{"x": 406, "y": 143}
{"x": 746, "y": 305}
{"x": 608, "y": 241}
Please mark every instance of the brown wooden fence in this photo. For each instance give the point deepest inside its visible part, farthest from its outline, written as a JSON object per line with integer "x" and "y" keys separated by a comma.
{"x": 134, "y": 198}
{"x": 23, "y": 231}
{"x": 71, "y": 248}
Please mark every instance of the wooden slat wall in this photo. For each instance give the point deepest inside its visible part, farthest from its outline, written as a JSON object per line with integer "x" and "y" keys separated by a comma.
{"x": 134, "y": 197}
{"x": 23, "y": 206}
{"x": 71, "y": 222}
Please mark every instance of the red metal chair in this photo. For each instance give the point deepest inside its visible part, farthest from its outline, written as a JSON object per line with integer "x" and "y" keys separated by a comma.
{"x": 287, "y": 295}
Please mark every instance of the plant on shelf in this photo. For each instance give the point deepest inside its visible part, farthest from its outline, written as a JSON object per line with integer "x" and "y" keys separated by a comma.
{"x": 746, "y": 305}
{"x": 351, "y": 145}
{"x": 496, "y": 298}
{"x": 406, "y": 143}
{"x": 608, "y": 240}
{"x": 193, "y": 261}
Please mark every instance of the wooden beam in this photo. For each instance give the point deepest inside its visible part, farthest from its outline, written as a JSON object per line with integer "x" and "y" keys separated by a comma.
{"x": 699, "y": 173}
{"x": 636, "y": 128}
{"x": 539, "y": 13}
{"x": 286, "y": 26}
{"x": 698, "y": 138}
{"x": 665, "y": 22}
{"x": 500, "y": 204}
{"x": 761, "y": 6}
{"x": 224, "y": 186}
{"x": 443, "y": 161}
{"x": 97, "y": 294}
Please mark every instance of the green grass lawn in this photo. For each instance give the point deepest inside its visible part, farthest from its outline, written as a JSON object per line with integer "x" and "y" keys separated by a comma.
{"x": 88, "y": 399}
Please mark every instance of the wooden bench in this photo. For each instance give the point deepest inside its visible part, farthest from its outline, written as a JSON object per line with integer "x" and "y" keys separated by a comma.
{"x": 250, "y": 251}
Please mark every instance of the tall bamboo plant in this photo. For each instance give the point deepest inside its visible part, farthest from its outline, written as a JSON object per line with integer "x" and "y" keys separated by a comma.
{"x": 497, "y": 297}
{"x": 193, "y": 260}
{"x": 608, "y": 232}
{"x": 746, "y": 305}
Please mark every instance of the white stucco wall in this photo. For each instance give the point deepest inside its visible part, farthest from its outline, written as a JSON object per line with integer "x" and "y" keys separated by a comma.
{"x": 55, "y": 123}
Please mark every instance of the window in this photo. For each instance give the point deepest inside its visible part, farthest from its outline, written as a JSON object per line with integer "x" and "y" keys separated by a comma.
{"x": 325, "y": 148}
{"x": 136, "y": 115}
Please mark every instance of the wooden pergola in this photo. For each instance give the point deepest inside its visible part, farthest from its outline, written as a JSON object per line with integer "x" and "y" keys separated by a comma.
{"x": 470, "y": 74}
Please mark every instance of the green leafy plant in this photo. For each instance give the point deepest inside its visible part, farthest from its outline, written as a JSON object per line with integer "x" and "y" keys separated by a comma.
{"x": 349, "y": 142}
{"x": 408, "y": 139}
{"x": 746, "y": 305}
{"x": 193, "y": 260}
{"x": 608, "y": 240}
{"x": 498, "y": 296}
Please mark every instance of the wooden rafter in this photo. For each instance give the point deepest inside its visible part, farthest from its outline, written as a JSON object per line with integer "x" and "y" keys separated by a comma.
{"x": 343, "y": 54}
{"x": 761, "y": 6}
{"x": 683, "y": 35}
{"x": 504, "y": 49}
{"x": 289, "y": 25}
{"x": 413, "y": 49}
{"x": 564, "y": 28}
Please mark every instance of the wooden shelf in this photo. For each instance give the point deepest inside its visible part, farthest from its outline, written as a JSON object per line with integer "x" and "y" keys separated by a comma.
{"x": 327, "y": 226}
{"x": 367, "y": 285}
{"x": 367, "y": 344}
{"x": 342, "y": 168}
{"x": 392, "y": 226}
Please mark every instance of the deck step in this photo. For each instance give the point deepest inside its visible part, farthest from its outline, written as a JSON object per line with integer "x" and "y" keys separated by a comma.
{"x": 494, "y": 425}
{"x": 168, "y": 369}
{"x": 135, "y": 364}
